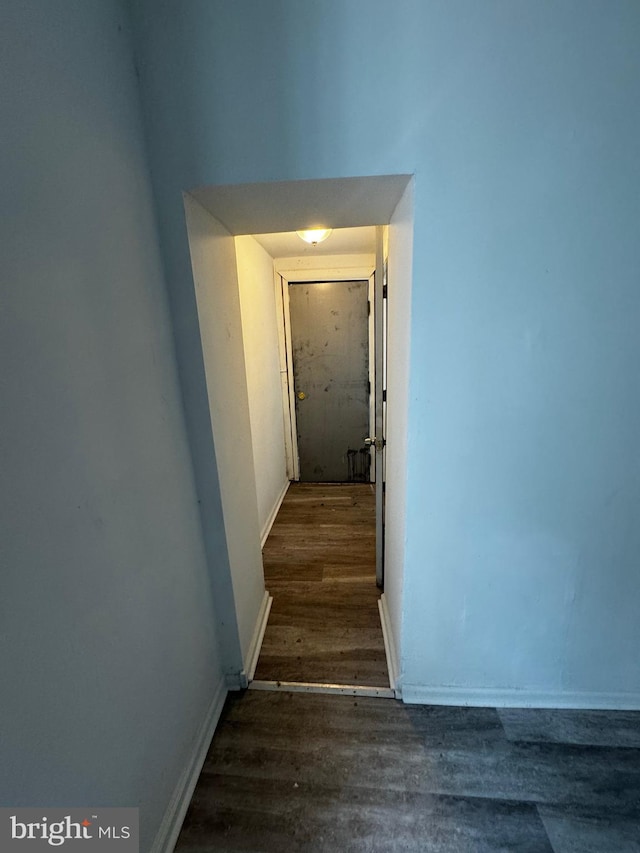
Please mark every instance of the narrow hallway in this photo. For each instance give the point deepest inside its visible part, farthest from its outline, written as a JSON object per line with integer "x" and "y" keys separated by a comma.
{"x": 319, "y": 565}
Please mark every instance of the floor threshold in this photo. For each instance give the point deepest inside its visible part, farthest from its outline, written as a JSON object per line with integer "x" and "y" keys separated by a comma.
{"x": 311, "y": 687}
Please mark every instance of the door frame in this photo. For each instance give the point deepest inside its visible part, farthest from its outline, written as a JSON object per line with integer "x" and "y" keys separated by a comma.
{"x": 269, "y": 207}
{"x": 339, "y": 268}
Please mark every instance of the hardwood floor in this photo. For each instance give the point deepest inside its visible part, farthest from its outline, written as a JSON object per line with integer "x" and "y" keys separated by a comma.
{"x": 319, "y": 564}
{"x": 311, "y": 772}
{"x": 308, "y": 772}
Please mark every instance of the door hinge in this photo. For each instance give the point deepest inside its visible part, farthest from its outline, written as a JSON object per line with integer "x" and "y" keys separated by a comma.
{"x": 384, "y": 291}
{"x": 369, "y": 387}
{"x": 384, "y": 396}
{"x": 368, "y": 307}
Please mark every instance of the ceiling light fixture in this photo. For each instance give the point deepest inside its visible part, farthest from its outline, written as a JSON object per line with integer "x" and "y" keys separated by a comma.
{"x": 314, "y": 236}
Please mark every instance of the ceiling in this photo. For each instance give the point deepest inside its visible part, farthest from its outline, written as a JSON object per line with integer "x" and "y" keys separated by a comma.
{"x": 266, "y": 208}
{"x": 341, "y": 241}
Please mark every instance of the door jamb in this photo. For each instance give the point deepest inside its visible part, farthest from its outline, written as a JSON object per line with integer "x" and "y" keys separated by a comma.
{"x": 286, "y": 378}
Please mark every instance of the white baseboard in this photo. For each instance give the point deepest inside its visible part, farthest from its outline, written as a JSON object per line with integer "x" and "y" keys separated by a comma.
{"x": 272, "y": 516}
{"x": 253, "y": 653}
{"x": 173, "y": 819}
{"x": 389, "y": 647}
{"x": 504, "y": 698}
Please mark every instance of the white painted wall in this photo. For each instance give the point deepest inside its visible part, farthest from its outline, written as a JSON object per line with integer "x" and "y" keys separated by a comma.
{"x": 399, "y": 278}
{"x": 520, "y": 122}
{"x": 109, "y": 657}
{"x": 213, "y": 260}
{"x": 262, "y": 361}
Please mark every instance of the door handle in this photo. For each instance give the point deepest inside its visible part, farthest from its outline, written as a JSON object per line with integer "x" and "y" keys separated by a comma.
{"x": 378, "y": 443}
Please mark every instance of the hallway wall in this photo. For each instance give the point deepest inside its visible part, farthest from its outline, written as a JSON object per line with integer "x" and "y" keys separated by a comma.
{"x": 109, "y": 657}
{"x": 399, "y": 278}
{"x": 237, "y": 572}
{"x": 519, "y": 121}
{"x": 262, "y": 360}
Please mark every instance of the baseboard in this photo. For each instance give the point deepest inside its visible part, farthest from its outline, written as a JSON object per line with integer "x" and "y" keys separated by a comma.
{"x": 169, "y": 829}
{"x": 389, "y": 647}
{"x": 505, "y": 698}
{"x": 272, "y": 516}
{"x": 253, "y": 653}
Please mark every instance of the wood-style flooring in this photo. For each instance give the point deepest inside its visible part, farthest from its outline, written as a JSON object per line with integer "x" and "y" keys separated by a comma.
{"x": 308, "y": 772}
{"x": 319, "y": 565}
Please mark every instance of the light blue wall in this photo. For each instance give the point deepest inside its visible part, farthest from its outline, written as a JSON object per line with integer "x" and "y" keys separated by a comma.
{"x": 108, "y": 652}
{"x": 520, "y": 121}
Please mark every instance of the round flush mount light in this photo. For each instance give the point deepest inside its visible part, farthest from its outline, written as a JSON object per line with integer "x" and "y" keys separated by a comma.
{"x": 315, "y": 235}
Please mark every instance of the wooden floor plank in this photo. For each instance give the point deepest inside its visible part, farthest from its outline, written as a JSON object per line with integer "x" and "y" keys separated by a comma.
{"x": 319, "y": 565}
